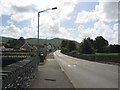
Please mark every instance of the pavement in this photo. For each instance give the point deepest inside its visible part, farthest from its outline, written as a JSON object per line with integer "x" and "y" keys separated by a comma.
{"x": 50, "y": 75}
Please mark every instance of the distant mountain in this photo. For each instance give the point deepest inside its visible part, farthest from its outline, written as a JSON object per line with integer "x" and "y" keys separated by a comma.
{"x": 55, "y": 41}
{"x": 34, "y": 41}
{"x": 5, "y": 39}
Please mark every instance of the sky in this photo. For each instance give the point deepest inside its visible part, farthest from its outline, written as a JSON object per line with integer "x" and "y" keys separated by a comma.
{"x": 73, "y": 19}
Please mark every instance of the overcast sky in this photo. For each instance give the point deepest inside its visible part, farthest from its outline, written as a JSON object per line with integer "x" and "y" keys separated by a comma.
{"x": 74, "y": 19}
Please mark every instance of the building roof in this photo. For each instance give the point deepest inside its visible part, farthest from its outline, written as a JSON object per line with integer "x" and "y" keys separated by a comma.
{"x": 26, "y": 46}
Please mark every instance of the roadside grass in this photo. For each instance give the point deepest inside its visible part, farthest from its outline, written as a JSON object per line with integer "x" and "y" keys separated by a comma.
{"x": 38, "y": 58}
{"x": 42, "y": 63}
{"x": 107, "y": 54}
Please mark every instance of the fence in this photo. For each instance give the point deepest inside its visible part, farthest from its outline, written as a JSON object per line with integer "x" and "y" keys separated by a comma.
{"x": 18, "y": 75}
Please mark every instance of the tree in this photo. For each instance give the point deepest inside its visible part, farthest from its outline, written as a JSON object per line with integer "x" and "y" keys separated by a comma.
{"x": 21, "y": 38}
{"x": 91, "y": 41}
{"x": 14, "y": 43}
{"x": 114, "y": 48}
{"x": 68, "y": 46}
{"x": 64, "y": 46}
{"x": 11, "y": 43}
{"x": 71, "y": 46}
{"x": 100, "y": 43}
{"x": 64, "y": 43}
{"x": 86, "y": 48}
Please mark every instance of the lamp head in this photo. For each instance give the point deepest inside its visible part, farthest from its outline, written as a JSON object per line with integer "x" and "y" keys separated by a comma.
{"x": 54, "y": 8}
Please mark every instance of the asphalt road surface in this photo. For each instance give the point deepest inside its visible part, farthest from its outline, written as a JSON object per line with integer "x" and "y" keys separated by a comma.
{"x": 87, "y": 74}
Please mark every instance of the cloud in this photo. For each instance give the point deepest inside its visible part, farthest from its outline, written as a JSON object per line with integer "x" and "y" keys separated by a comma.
{"x": 28, "y": 32}
{"x": 115, "y": 26}
{"x": 21, "y": 16}
{"x": 81, "y": 28}
{"x": 5, "y": 7}
{"x": 15, "y": 7}
{"x": 64, "y": 33}
{"x": 10, "y": 22}
{"x": 88, "y": 32}
{"x": 109, "y": 32}
{"x": 22, "y": 9}
{"x": 107, "y": 11}
{"x": 46, "y": 31}
{"x": 11, "y": 31}
{"x": 50, "y": 23}
{"x": 16, "y": 32}
{"x": 99, "y": 29}
{"x": 85, "y": 16}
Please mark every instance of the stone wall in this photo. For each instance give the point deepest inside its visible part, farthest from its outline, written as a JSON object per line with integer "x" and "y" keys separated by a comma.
{"x": 19, "y": 74}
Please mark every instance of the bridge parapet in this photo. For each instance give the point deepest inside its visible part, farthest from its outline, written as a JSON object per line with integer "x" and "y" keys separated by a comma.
{"x": 18, "y": 75}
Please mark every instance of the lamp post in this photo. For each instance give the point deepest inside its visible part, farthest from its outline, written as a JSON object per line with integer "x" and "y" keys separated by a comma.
{"x": 38, "y": 23}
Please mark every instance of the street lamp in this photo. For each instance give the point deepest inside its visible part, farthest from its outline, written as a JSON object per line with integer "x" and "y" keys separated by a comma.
{"x": 38, "y": 22}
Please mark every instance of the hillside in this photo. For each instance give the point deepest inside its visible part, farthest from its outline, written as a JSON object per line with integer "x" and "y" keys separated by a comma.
{"x": 5, "y": 39}
{"x": 33, "y": 41}
{"x": 55, "y": 41}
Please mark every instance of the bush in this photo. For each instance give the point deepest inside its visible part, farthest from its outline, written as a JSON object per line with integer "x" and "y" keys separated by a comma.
{"x": 86, "y": 47}
{"x": 64, "y": 50}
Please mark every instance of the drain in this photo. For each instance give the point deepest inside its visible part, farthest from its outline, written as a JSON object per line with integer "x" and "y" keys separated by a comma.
{"x": 49, "y": 79}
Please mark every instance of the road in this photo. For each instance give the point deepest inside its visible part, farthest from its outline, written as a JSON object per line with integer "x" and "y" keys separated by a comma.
{"x": 86, "y": 74}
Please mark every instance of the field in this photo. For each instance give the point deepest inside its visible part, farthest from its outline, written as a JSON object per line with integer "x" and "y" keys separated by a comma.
{"x": 107, "y": 54}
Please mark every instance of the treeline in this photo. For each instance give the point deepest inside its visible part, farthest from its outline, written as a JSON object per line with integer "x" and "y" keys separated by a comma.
{"x": 15, "y": 43}
{"x": 89, "y": 46}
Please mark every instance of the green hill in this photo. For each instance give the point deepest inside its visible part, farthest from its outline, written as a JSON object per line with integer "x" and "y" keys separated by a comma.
{"x": 5, "y": 39}
{"x": 55, "y": 41}
{"x": 33, "y": 41}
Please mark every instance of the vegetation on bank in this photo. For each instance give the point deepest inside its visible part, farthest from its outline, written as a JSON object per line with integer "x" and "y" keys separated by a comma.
{"x": 90, "y": 46}
{"x": 107, "y": 54}
{"x": 94, "y": 50}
